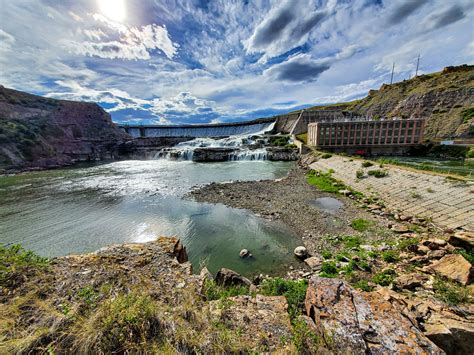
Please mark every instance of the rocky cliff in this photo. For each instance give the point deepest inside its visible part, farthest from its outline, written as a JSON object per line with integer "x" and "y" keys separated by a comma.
{"x": 445, "y": 99}
{"x": 39, "y": 132}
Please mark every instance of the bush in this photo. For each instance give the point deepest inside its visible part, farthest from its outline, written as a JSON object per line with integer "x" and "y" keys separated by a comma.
{"x": 360, "y": 174}
{"x": 294, "y": 292}
{"x": 213, "y": 292}
{"x": 363, "y": 285}
{"x": 16, "y": 263}
{"x": 378, "y": 173}
{"x": 450, "y": 293}
{"x": 280, "y": 141}
{"x": 390, "y": 256}
{"x": 326, "y": 254}
{"x": 326, "y": 156}
{"x": 366, "y": 164}
{"x": 360, "y": 224}
{"x": 385, "y": 277}
{"x": 328, "y": 269}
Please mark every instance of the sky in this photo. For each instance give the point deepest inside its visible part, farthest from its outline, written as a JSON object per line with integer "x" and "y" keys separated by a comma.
{"x": 197, "y": 61}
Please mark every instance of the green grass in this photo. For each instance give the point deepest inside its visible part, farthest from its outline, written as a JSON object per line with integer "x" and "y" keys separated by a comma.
{"x": 303, "y": 137}
{"x": 468, "y": 255}
{"x": 450, "y": 293}
{"x": 366, "y": 164}
{"x": 324, "y": 182}
{"x": 352, "y": 241}
{"x": 294, "y": 292}
{"x": 378, "y": 173}
{"x": 326, "y": 156}
{"x": 384, "y": 278}
{"x": 363, "y": 285}
{"x": 360, "y": 224}
{"x": 212, "y": 291}
{"x": 15, "y": 262}
{"x": 359, "y": 174}
{"x": 328, "y": 269}
{"x": 390, "y": 256}
{"x": 279, "y": 141}
{"x": 326, "y": 254}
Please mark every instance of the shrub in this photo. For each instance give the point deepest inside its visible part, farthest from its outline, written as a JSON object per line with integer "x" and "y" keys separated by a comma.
{"x": 16, "y": 263}
{"x": 360, "y": 174}
{"x": 294, "y": 292}
{"x": 390, "y": 256}
{"x": 360, "y": 224}
{"x": 366, "y": 164}
{"x": 326, "y": 254}
{"x": 213, "y": 292}
{"x": 450, "y": 293}
{"x": 378, "y": 173}
{"x": 385, "y": 277}
{"x": 280, "y": 141}
{"x": 326, "y": 156}
{"x": 363, "y": 285}
{"x": 352, "y": 241}
{"x": 328, "y": 269}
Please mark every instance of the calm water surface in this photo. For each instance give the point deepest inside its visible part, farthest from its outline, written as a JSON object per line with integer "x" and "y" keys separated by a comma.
{"x": 79, "y": 210}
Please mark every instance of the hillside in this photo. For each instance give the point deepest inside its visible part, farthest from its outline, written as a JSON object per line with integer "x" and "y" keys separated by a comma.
{"x": 445, "y": 99}
{"x": 38, "y": 132}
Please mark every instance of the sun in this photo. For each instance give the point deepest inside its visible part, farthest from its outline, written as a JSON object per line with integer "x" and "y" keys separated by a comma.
{"x": 115, "y": 10}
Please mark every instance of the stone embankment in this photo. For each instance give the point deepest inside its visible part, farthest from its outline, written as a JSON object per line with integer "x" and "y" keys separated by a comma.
{"x": 448, "y": 203}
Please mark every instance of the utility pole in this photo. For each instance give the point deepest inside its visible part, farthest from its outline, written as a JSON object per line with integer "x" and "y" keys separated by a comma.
{"x": 417, "y": 65}
{"x": 391, "y": 79}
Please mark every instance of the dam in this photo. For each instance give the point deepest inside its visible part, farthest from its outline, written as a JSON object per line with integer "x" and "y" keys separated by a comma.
{"x": 202, "y": 130}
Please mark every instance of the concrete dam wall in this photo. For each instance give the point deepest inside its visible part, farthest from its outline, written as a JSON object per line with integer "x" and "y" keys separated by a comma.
{"x": 208, "y": 130}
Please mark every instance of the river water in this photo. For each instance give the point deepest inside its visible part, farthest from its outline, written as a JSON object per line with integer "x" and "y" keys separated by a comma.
{"x": 82, "y": 209}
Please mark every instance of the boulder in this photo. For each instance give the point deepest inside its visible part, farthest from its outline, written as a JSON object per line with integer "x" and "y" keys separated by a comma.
{"x": 244, "y": 253}
{"x": 362, "y": 322}
{"x": 300, "y": 252}
{"x": 410, "y": 281}
{"x": 463, "y": 240}
{"x": 452, "y": 333}
{"x": 400, "y": 229}
{"x": 454, "y": 267}
{"x": 314, "y": 262}
{"x": 422, "y": 250}
{"x": 174, "y": 247}
{"x": 227, "y": 277}
{"x": 436, "y": 254}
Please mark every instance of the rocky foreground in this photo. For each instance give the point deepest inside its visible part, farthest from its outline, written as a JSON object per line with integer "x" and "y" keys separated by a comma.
{"x": 144, "y": 298}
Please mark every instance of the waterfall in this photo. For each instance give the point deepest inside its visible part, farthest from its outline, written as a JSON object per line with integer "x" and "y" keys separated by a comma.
{"x": 245, "y": 146}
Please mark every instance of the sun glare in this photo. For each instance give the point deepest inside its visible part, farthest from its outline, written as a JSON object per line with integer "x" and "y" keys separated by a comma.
{"x": 113, "y": 9}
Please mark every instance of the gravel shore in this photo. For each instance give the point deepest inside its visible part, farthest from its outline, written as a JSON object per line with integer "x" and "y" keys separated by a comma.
{"x": 290, "y": 201}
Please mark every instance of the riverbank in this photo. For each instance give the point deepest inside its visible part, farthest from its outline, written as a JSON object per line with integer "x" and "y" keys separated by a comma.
{"x": 294, "y": 202}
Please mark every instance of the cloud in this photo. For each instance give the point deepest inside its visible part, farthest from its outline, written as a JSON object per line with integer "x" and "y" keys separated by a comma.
{"x": 6, "y": 40}
{"x": 444, "y": 18}
{"x": 133, "y": 43}
{"x": 300, "y": 68}
{"x": 403, "y": 10}
{"x": 286, "y": 26}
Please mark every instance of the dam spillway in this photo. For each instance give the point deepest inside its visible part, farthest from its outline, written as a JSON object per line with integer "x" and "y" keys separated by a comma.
{"x": 207, "y": 130}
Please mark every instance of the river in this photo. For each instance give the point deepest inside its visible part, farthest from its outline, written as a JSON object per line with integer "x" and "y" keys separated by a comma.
{"x": 82, "y": 209}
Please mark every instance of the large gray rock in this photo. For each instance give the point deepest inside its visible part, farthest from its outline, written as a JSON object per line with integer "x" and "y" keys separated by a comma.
{"x": 362, "y": 322}
{"x": 227, "y": 277}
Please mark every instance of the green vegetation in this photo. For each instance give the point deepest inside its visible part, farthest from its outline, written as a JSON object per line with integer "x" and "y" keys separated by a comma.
{"x": 212, "y": 291}
{"x": 385, "y": 277}
{"x": 328, "y": 269}
{"x": 363, "y": 285}
{"x": 16, "y": 263}
{"x": 325, "y": 182}
{"x": 378, "y": 173}
{"x": 366, "y": 164}
{"x": 360, "y": 174}
{"x": 294, "y": 292}
{"x": 361, "y": 224}
{"x": 414, "y": 194}
{"x": 88, "y": 295}
{"x": 468, "y": 255}
{"x": 467, "y": 115}
{"x": 305, "y": 338}
{"x": 326, "y": 156}
{"x": 280, "y": 141}
{"x": 303, "y": 137}
{"x": 390, "y": 256}
{"x": 450, "y": 293}
{"x": 326, "y": 254}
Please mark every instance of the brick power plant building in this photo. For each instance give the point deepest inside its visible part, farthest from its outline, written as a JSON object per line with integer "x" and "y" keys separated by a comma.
{"x": 395, "y": 136}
